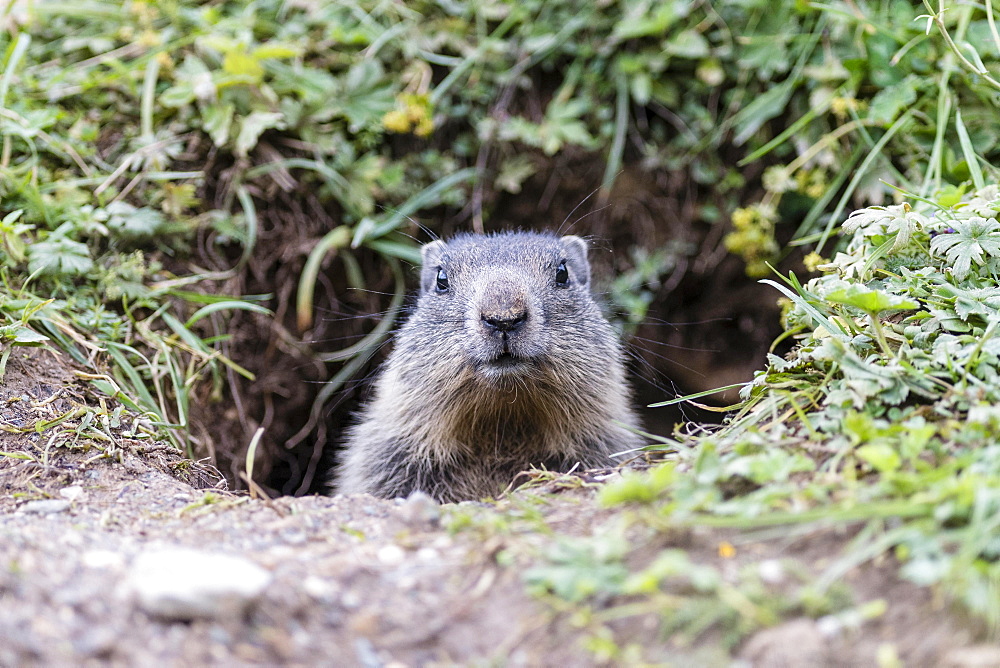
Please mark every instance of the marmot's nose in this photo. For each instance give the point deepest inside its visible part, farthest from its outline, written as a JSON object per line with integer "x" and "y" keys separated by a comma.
{"x": 506, "y": 322}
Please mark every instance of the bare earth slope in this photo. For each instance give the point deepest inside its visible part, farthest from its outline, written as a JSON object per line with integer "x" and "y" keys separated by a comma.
{"x": 122, "y": 552}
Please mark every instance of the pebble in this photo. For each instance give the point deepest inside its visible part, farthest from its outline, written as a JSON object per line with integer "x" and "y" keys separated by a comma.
{"x": 771, "y": 571}
{"x": 419, "y": 508}
{"x": 391, "y": 555}
{"x": 45, "y": 506}
{"x": 71, "y": 493}
{"x": 428, "y": 554}
{"x": 797, "y": 642}
{"x": 318, "y": 588}
{"x": 101, "y": 559}
{"x": 96, "y": 642}
{"x": 183, "y": 584}
{"x": 975, "y": 656}
{"x": 296, "y": 538}
{"x": 350, "y": 600}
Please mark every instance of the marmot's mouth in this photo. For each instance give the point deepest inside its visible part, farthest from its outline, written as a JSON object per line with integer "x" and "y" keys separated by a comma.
{"x": 506, "y": 363}
{"x": 506, "y": 359}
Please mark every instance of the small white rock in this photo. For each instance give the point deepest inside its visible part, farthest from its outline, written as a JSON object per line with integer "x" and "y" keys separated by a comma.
{"x": 71, "y": 493}
{"x": 185, "y": 584}
{"x": 72, "y": 538}
{"x": 442, "y": 542}
{"x": 829, "y": 626}
{"x": 771, "y": 571}
{"x": 391, "y": 555}
{"x": 45, "y": 506}
{"x": 419, "y": 508}
{"x": 318, "y": 588}
{"x": 350, "y": 600}
{"x": 428, "y": 554}
{"x": 102, "y": 559}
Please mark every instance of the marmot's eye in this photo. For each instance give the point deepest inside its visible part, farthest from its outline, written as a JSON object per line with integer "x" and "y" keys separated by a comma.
{"x": 562, "y": 275}
{"x": 442, "y": 280}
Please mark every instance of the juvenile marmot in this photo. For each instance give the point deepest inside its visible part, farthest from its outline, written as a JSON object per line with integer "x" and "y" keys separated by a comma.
{"x": 506, "y": 362}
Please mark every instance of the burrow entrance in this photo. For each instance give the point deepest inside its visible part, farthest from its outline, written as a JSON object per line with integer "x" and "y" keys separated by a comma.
{"x": 655, "y": 248}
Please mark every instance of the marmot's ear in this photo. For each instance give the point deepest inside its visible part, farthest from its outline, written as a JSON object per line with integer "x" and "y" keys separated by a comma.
{"x": 431, "y": 255}
{"x": 576, "y": 252}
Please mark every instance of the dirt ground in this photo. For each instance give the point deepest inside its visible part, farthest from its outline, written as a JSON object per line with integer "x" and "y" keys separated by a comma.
{"x": 110, "y": 555}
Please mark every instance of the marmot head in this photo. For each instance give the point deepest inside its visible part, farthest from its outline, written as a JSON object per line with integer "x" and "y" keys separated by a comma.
{"x": 508, "y": 304}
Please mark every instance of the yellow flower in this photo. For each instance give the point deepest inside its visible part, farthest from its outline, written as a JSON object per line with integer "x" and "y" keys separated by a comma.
{"x": 742, "y": 218}
{"x": 150, "y": 38}
{"x": 813, "y": 260}
{"x": 166, "y": 62}
{"x": 840, "y": 106}
{"x": 424, "y": 128}
{"x": 758, "y": 269}
{"x": 726, "y": 550}
{"x": 416, "y": 113}
{"x": 396, "y": 121}
{"x": 412, "y": 114}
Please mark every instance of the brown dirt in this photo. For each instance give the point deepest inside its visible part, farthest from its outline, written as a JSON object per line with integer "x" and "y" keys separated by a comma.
{"x": 359, "y": 581}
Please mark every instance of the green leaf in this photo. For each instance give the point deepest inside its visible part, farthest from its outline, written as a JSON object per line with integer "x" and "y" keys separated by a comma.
{"x": 975, "y": 170}
{"x": 689, "y": 44}
{"x": 217, "y": 121}
{"x": 969, "y": 242}
{"x": 276, "y": 50}
{"x": 243, "y": 65}
{"x": 762, "y": 109}
{"x": 130, "y": 222}
{"x": 253, "y": 126}
{"x": 655, "y": 23}
{"x": 366, "y": 97}
{"x": 59, "y": 256}
{"x": 898, "y": 219}
{"x": 870, "y": 300}
{"x": 916, "y": 435}
{"x": 880, "y": 456}
{"x": 402, "y": 250}
{"x": 192, "y": 80}
{"x": 19, "y": 335}
{"x": 177, "y": 96}
{"x": 580, "y": 568}
{"x": 950, "y": 195}
{"x": 890, "y": 102}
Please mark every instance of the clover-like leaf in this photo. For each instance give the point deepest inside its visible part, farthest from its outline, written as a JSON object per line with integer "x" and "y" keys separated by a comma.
{"x": 253, "y": 126}
{"x": 968, "y": 243}
{"x": 59, "y": 256}
{"x": 898, "y": 219}
{"x": 131, "y": 222}
{"x": 985, "y": 203}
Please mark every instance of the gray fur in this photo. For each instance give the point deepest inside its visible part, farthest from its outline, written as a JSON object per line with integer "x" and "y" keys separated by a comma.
{"x": 504, "y": 370}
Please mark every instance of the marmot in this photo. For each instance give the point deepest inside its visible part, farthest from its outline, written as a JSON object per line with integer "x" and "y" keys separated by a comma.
{"x": 505, "y": 362}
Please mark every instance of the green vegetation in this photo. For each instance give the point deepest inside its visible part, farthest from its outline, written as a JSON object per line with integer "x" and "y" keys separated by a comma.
{"x": 146, "y": 149}
{"x": 885, "y": 413}
{"x": 142, "y": 142}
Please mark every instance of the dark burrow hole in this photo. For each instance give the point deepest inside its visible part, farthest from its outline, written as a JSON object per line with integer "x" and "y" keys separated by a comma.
{"x": 708, "y": 325}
